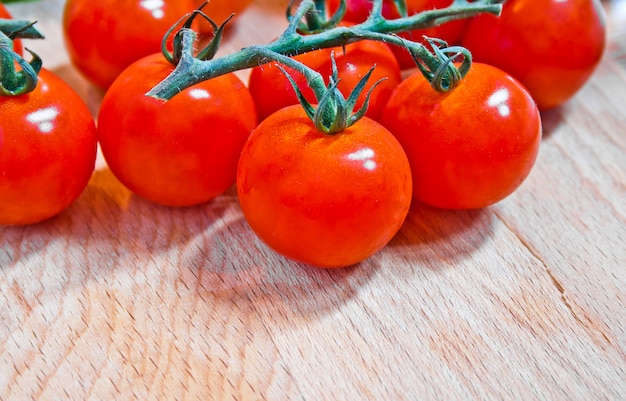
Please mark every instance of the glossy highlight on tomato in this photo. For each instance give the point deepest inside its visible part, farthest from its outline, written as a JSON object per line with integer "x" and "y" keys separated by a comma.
{"x": 104, "y": 37}
{"x": 470, "y": 147}
{"x": 328, "y": 200}
{"x": 551, "y": 46}
{"x": 179, "y": 152}
{"x": 47, "y": 151}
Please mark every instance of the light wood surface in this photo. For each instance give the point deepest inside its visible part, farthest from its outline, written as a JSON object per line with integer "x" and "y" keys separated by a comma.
{"x": 119, "y": 299}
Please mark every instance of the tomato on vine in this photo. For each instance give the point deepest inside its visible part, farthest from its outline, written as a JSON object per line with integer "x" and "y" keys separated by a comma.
{"x": 551, "y": 46}
{"x": 358, "y": 11}
{"x": 470, "y": 147}
{"x": 272, "y": 91}
{"x": 179, "y": 152}
{"x": 104, "y": 37}
{"x": 328, "y": 200}
{"x": 47, "y": 151}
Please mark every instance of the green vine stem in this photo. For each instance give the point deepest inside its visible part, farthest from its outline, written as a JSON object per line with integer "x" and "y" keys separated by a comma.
{"x": 191, "y": 71}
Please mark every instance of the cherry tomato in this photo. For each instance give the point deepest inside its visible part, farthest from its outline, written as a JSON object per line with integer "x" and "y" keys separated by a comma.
{"x": 179, "y": 152}
{"x": 104, "y": 37}
{"x": 272, "y": 91}
{"x": 470, "y": 147}
{"x": 47, "y": 151}
{"x": 358, "y": 11}
{"x": 17, "y": 43}
{"x": 325, "y": 200}
{"x": 551, "y": 46}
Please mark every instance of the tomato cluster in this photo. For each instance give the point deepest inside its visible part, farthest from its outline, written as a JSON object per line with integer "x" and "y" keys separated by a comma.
{"x": 326, "y": 199}
{"x": 48, "y": 137}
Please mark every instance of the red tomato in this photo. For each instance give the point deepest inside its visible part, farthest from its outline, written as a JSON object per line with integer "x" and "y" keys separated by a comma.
{"x": 470, "y": 147}
{"x": 17, "y": 43}
{"x": 325, "y": 200}
{"x": 272, "y": 91}
{"x": 104, "y": 37}
{"x": 177, "y": 153}
{"x": 358, "y": 11}
{"x": 551, "y": 46}
{"x": 47, "y": 151}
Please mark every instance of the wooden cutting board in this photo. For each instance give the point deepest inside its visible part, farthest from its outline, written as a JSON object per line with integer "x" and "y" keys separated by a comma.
{"x": 120, "y": 299}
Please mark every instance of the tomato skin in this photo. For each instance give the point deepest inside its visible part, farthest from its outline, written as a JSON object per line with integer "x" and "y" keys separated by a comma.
{"x": 272, "y": 91}
{"x": 551, "y": 46}
{"x": 47, "y": 151}
{"x": 468, "y": 148}
{"x": 18, "y": 47}
{"x": 358, "y": 10}
{"x": 104, "y": 37}
{"x": 325, "y": 200}
{"x": 181, "y": 152}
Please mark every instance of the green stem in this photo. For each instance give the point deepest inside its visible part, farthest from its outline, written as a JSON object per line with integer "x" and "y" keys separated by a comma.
{"x": 290, "y": 43}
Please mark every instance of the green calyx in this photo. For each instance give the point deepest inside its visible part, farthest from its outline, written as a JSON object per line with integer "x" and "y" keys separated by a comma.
{"x": 447, "y": 75}
{"x": 334, "y": 112}
{"x": 15, "y": 82}
{"x": 183, "y": 38}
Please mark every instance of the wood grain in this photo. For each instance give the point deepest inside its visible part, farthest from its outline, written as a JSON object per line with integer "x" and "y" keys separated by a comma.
{"x": 120, "y": 299}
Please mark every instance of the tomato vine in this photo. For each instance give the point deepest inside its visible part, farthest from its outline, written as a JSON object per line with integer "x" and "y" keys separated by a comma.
{"x": 292, "y": 41}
